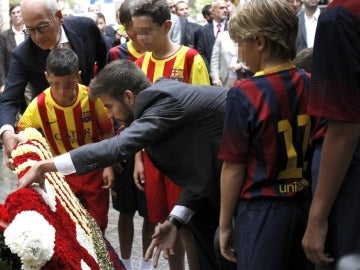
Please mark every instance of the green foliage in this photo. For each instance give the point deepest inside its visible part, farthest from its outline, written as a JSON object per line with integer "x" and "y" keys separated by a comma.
{"x": 8, "y": 261}
{"x": 12, "y": 2}
{"x": 198, "y": 6}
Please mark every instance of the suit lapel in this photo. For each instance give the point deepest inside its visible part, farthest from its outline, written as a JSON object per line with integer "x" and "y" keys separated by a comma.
{"x": 77, "y": 46}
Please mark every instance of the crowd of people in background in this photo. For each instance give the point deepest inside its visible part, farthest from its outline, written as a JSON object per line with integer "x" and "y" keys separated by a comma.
{"x": 242, "y": 153}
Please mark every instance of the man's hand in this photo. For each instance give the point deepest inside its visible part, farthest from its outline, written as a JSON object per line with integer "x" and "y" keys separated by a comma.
{"x": 36, "y": 174}
{"x": 314, "y": 243}
{"x": 163, "y": 240}
{"x": 217, "y": 82}
{"x": 10, "y": 139}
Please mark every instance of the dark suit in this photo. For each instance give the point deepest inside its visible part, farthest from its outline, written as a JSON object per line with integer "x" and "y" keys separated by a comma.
{"x": 29, "y": 61}
{"x": 7, "y": 44}
{"x": 301, "y": 42}
{"x": 188, "y": 30}
{"x": 205, "y": 39}
{"x": 180, "y": 125}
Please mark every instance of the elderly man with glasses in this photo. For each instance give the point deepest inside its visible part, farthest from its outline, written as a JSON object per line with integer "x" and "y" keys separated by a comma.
{"x": 48, "y": 29}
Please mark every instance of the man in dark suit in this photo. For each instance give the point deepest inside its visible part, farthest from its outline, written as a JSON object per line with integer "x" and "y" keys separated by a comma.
{"x": 180, "y": 126}
{"x": 8, "y": 42}
{"x": 48, "y": 29}
{"x": 205, "y": 36}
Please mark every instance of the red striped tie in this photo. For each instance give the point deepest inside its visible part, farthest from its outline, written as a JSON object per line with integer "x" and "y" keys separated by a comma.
{"x": 218, "y": 29}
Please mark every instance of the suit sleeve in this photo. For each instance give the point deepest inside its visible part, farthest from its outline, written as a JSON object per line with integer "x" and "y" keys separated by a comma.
{"x": 201, "y": 46}
{"x": 11, "y": 99}
{"x": 2, "y": 59}
{"x": 152, "y": 124}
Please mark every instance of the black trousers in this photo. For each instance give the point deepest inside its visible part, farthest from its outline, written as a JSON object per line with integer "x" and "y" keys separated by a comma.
{"x": 203, "y": 225}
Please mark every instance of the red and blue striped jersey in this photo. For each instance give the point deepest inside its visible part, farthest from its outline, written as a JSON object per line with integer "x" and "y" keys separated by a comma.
{"x": 124, "y": 51}
{"x": 335, "y": 84}
{"x": 267, "y": 129}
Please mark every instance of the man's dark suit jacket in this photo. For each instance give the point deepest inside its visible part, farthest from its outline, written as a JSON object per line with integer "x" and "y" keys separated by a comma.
{"x": 7, "y": 44}
{"x": 205, "y": 40}
{"x": 301, "y": 42}
{"x": 188, "y": 30}
{"x": 180, "y": 125}
{"x": 29, "y": 62}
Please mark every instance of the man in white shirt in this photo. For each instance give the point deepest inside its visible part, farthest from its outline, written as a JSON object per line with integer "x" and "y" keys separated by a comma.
{"x": 308, "y": 19}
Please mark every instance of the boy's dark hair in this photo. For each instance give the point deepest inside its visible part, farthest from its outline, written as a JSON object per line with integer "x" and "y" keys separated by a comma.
{"x": 125, "y": 11}
{"x": 62, "y": 62}
{"x": 116, "y": 77}
{"x": 158, "y": 10}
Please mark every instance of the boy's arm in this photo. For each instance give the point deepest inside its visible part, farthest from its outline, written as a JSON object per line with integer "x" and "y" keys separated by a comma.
{"x": 338, "y": 148}
{"x": 231, "y": 181}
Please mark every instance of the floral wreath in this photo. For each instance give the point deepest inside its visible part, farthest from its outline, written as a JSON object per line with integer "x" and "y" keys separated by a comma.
{"x": 51, "y": 230}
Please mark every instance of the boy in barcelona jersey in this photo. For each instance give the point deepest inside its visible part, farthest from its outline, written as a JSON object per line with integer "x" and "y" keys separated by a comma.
{"x": 68, "y": 118}
{"x": 264, "y": 179}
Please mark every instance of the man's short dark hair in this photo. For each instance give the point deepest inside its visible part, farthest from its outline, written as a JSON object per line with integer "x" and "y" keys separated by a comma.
{"x": 118, "y": 76}
{"x": 206, "y": 10}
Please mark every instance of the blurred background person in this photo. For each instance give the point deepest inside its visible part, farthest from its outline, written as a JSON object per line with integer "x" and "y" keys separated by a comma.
{"x": 296, "y": 5}
{"x": 308, "y": 19}
{"x": 9, "y": 39}
{"x": 207, "y": 13}
{"x": 182, "y": 9}
{"x": 175, "y": 30}
{"x": 224, "y": 61}
{"x": 205, "y": 36}
{"x": 1, "y": 23}
{"x": 108, "y": 37}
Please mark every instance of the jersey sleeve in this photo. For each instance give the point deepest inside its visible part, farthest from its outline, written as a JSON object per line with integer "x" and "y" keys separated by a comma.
{"x": 199, "y": 72}
{"x": 30, "y": 118}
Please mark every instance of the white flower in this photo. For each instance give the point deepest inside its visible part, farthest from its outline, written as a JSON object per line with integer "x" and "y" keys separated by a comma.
{"x": 32, "y": 238}
{"x": 84, "y": 241}
{"x": 48, "y": 196}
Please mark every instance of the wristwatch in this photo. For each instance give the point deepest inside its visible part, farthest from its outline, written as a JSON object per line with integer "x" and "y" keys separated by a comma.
{"x": 173, "y": 220}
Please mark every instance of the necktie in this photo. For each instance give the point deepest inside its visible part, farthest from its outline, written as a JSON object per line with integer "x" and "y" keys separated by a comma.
{"x": 218, "y": 29}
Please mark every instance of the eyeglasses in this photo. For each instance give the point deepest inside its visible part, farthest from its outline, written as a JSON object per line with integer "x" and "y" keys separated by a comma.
{"x": 40, "y": 29}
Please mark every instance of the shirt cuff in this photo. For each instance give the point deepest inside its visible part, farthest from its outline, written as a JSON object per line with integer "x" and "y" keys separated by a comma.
{"x": 4, "y": 128}
{"x": 64, "y": 164}
{"x": 182, "y": 213}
